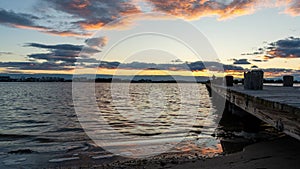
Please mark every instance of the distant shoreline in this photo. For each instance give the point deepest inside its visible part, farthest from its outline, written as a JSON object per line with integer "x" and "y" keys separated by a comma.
{"x": 140, "y": 79}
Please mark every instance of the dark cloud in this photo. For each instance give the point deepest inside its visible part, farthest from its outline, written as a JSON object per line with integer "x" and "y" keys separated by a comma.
{"x": 280, "y": 70}
{"x": 34, "y": 66}
{"x": 285, "y": 48}
{"x": 194, "y": 9}
{"x": 29, "y": 21}
{"x": 242, "y": 62}
{"x": 231, "y": 67}
{"x": 81, "y": 16}
{"x": 212, "y": 66}
{"x": 258, "y": 60}
{"x": 260, "y": 51}
{"x": 67, "y": 55}
{"x": 14, "y": 19}
{"x": 50, "y": 57}
{"x": 193, "y": 66}
{"x": 68, "y": 33}
{"x": 254, "y": 53}
{"x": 176, "y": 61}
{"x": 109, "y": 65}
{"x": 93, "y": 14}
{"x": 60, "y": 57}
{"x": 98, "y": 42}
{"x": 21, "y": 66}
{"x": 5, "y": 53}
{"x": 287, "y": 43}
{"x": 58, "y": 47}
{"x": 64, "y": 49}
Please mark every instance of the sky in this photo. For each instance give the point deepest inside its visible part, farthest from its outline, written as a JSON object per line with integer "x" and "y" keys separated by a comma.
{"x": 133, "y": 36}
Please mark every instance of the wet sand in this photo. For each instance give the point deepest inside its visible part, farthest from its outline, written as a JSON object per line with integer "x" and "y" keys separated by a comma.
{"x": 278, "y": 153}
{"x": 282, "y": 153}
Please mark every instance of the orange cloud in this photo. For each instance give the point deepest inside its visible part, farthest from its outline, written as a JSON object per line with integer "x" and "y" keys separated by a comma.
{"x": 80, "y": 4}
{"x": 92, "y": 26}
{"x": 107, "y": 14}
{"x": 293, "y": 7}
{"x": 235, "y": 73}
{"x": 68, "y": 34}
{"x": 52, "y": 32}
{"x": 186, "y": 9}
{"x": 94, "y": 14}
{"x": 192, "y": 9}
{"x": 269, "y": 73}
{"x": 29, "y": 27}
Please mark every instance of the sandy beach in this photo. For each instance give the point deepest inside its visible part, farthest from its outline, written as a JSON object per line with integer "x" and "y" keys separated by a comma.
{"x": 282, "y": 153}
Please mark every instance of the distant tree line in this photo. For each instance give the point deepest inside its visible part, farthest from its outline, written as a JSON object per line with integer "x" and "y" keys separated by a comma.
{"x": 110, "y": 80}
{"x": 33, "y": 79}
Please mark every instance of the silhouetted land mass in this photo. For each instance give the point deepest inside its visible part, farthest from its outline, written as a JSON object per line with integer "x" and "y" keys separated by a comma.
{"x": 33, "y": 79}
{"x": 115, "y": 80}
{"x": 99, "y": 80}
{"x": 83, "y": 79}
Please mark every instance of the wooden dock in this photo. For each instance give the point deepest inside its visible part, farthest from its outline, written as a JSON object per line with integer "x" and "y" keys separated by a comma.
{"x": 277, "y": 106}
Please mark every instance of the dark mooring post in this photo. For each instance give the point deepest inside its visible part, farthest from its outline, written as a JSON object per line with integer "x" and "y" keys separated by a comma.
{"x": 253, "y": 80}
{"x": 229, "y": 80}
{"x": 288, "y": 81}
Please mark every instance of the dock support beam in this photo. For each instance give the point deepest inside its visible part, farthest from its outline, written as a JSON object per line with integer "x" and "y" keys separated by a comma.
{"x": 235, "y": 117}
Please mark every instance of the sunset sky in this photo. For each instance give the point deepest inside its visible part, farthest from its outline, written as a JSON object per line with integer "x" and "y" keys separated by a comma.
{"x": 47, "y": 36}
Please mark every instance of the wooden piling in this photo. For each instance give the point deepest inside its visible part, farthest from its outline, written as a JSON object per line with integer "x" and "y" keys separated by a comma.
{"x": 288, "y": 81}
{"x": 253, "y": 80}
{"x": 229, "y": 80}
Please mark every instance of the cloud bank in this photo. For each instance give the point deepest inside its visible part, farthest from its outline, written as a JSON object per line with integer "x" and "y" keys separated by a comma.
{"x": 292, "y": 6}
{"x": 84, "y": 16}
{"x": 30, "y": 21}
{"x": 65, "y": 57}
{"x": 241, "y": 62}
{"x": 288, "y": 48}
{"x": 68, "y": 56}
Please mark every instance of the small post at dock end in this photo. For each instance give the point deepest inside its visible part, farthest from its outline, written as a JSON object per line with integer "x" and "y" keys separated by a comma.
{"x": 253, "y": 80}
{"x": 288, "y": 81}
{"x": 229, "y": 80}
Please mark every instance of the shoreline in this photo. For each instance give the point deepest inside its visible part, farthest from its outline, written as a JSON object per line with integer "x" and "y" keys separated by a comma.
{"x": 279, "y": 153}
{"x": 276, "y": 153}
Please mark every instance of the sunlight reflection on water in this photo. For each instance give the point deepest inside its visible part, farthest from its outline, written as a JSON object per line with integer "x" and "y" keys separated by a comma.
{"x": 41, "y": 117}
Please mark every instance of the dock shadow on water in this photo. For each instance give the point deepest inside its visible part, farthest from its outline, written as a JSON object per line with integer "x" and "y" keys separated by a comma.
{"x": 40, "y": 129}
